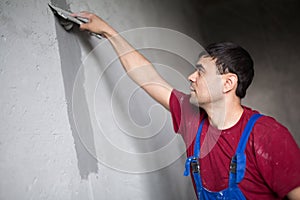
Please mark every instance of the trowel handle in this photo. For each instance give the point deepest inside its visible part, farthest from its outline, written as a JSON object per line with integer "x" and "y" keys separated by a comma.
{"x": 84, "y": 20}
{"x": 96, "y": 35}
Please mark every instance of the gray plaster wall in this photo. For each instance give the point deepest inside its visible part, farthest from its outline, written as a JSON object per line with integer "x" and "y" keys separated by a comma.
{"x": 52, "y": 146}
{"x": 37, "y": 156}
{"x": 73, "y": 126}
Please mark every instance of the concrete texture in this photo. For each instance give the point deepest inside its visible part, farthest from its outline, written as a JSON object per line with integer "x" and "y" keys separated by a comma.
{"x": 70, "y": 55}
{"x": 37, "y": 149}
{"x": 72, "y": 126}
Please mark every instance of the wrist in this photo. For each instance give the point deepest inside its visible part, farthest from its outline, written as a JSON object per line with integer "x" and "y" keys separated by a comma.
{"x": 110, "y": 33}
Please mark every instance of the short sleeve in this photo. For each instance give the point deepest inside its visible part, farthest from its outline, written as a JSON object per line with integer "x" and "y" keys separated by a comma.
{"x": 176, "y": 103}
{"x": 278, "y": 156}
{"x": 184, "y": 115}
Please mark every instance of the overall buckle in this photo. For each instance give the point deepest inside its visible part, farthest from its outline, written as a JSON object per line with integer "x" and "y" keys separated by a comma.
{"x": 195, "y": 166}
{"x": 233, "y": 165}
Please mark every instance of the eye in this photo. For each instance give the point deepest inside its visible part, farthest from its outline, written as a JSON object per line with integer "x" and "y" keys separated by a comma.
{"x": 199, "y": 72}
{"x": 200, "y": 69}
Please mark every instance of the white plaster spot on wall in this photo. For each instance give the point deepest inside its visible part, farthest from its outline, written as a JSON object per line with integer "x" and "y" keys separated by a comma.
{"x": 32, "y": 184}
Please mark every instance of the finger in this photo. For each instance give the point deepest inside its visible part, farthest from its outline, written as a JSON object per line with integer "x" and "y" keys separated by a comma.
{"x": 75, "y": 14}
{"x": 84, "y": 26}
{"x": 83, "y": 14}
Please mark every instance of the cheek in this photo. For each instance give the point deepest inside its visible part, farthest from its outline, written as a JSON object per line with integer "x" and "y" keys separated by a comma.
{"x": 214, "y": 85}
{"x": 203, "y": 90}
{"x": 202, "y": 85}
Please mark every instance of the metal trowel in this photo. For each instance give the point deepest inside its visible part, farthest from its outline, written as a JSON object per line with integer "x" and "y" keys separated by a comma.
{"x": 67, "y": 21}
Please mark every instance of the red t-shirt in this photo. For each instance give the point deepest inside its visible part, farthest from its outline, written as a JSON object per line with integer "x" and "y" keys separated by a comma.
{"x": 273, "y": 156}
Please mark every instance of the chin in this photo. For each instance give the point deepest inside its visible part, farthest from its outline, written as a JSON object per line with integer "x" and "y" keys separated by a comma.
{"x": 194, "y": 101}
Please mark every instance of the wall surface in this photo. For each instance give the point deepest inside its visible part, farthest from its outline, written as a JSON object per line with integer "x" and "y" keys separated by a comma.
{"x": 37, "y": 157}
{"x": 52, "y": 145}
{"x": 74, "y": 126}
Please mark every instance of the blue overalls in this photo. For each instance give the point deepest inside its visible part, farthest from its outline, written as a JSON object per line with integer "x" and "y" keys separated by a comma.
{"x": 237, "y": 167}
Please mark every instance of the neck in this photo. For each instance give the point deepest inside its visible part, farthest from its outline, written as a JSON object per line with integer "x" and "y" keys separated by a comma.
{"x": 225, "y": 113}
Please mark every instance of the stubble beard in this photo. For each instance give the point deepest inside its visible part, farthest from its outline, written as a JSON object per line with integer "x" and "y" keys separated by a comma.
{"x": 194, "y": 100}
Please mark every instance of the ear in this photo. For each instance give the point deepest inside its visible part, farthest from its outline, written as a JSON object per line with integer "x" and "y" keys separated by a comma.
{"x": 230, "y": 82}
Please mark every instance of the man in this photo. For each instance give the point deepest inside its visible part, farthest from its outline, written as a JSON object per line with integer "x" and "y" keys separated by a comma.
{"x": 270, "y": 168}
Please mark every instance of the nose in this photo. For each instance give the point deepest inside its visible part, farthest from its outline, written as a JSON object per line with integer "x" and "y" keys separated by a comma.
{"x": 192, "y": 77}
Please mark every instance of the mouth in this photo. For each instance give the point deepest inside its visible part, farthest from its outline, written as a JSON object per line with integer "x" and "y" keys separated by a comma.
{"x": 192, "y": 89}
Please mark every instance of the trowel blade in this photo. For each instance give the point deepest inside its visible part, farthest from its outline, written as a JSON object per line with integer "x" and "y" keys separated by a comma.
{"x": 64, "y": 17}
{"x": 67, "y": 21}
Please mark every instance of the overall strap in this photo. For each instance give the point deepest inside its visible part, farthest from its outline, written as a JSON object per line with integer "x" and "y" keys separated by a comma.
{"x": 197, "y": 142}
{"x": 238, "y": 162}
{"x": 193, "y": 161}
{"x": 195, "y": 157}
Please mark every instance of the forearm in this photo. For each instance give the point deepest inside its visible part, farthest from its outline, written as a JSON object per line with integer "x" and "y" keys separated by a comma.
{"x": 138, "y": 68}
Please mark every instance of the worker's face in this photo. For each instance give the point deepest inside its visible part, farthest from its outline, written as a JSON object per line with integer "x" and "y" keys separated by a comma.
{"x": 206, "y": 83}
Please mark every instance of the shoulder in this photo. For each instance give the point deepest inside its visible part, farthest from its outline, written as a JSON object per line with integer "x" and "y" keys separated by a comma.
{"x": 269, "y": 137}
{"x": 271, "y": 146}
{"x": 269, "y": 134}
{"x": 265, "y": 124}
{"x": 183, "y": 112}
{"x": 180, "y": 102}
{"x": 269, "y": 128}
{"x": 178, "y": 96}
{"x": 268, "y": 124}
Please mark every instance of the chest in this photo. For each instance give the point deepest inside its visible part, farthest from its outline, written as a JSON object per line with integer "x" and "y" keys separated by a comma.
{"x": 213, "y": 142}
{"x": 216, "y": 151}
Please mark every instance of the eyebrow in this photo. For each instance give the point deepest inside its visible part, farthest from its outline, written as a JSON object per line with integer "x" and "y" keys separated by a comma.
{"x": 200, "y": 67}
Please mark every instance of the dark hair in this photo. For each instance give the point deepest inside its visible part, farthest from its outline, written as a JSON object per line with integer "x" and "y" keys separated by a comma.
{"x": 234, "y": 59}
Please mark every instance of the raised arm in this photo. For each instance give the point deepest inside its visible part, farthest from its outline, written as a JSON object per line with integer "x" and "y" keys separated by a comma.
{"x": 138, "y": 68}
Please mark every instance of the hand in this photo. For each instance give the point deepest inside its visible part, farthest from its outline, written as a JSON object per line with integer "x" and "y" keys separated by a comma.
{"x": 95, "y": 24}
